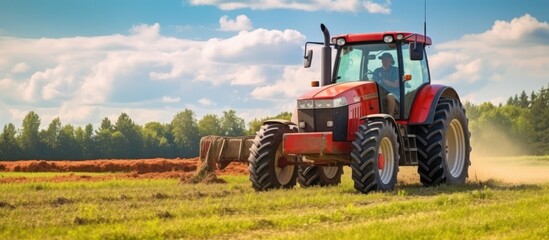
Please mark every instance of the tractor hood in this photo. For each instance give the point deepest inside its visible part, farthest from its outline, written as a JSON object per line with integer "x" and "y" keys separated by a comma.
{"x": 342, "y": 93}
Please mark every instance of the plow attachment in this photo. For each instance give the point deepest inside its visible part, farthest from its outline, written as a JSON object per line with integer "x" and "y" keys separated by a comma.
{"x": 217, "y": 152}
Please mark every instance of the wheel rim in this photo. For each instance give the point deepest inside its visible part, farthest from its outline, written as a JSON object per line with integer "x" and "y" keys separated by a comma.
{"x": 455, "y": 148}
{"x": 283, "y": 174}
{"x": 386, "y": 160}
{"x": 330, "y": 171}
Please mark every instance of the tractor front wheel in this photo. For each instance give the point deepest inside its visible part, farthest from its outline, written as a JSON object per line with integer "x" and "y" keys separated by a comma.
{"x": 443, "y": 145}
{"x": 269, "y": 168}
{"x": 323, "y": 176}
{"x": 375, "y": 157}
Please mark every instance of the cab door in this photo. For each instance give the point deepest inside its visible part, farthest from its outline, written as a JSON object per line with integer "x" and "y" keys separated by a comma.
{"x": 419, "y": 72}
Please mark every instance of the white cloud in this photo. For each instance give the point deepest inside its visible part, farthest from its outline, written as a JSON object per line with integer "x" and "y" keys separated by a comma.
{"x": 260, "y": 46}
{"x": 145, "y": 31}
{"x": 373, "y": 7}
{"x": 167, "y": 99}
{"x": 83, "y": 79}
{"x": 518, "y": 29}
{"x": 493, "y": 65}
{"x": 77, "y": 113}
{"x": 250, "y": 75}
{"x": 20, "y": 68}
{"x": 241, "y": 23}
{"x": 206, "y": 102}
{"x": 306, "y": 5}
{"x": 294, "y": 81}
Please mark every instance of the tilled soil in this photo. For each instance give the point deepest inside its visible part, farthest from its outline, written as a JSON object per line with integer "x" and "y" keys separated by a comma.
{"x": 139, "y": 165}
{"x": 121, "y": 169}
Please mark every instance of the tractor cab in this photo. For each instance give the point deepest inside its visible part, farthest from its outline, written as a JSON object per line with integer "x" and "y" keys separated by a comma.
{"x": 363, "y": 57}
{"x": 395, "y": 61}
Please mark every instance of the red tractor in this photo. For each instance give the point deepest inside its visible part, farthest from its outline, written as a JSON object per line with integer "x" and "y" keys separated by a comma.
{"x": 377, "y": 110}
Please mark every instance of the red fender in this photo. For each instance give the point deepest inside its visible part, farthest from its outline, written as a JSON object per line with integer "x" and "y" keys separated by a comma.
{"x": 426, "y": 100}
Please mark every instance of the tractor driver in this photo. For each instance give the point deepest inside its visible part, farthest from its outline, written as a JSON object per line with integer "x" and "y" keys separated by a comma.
{"x": 387, "y": 76}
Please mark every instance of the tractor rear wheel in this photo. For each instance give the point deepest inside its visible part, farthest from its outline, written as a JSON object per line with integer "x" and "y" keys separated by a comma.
{"x": 309, "y": 176}
{"x": 443, "y": 146}
{"x": 268, "y": 167}
{"x": 375, "y": 157}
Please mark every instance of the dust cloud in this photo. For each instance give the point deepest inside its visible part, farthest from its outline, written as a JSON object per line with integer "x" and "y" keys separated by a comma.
{"x": 498, "y": 156}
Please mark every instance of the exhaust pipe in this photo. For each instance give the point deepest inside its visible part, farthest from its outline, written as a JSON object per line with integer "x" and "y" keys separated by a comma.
{"x": 326, "y": 66}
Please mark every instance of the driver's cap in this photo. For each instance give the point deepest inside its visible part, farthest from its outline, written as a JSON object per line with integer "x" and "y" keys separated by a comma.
{"x": 387, "y": 55}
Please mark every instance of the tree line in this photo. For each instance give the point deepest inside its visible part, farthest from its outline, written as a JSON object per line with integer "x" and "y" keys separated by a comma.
{"x": 123, "y": 139}
{"x": 518, "y": 127}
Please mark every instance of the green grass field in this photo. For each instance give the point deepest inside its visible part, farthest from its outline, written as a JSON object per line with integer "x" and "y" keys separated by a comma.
{"x": 164, "y": 209}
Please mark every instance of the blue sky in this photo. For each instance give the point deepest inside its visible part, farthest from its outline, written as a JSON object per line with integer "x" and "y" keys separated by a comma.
{"x": 84, "y": 60}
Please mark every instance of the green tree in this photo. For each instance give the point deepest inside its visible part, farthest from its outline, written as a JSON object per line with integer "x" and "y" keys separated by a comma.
{"x": 68, "y": 145}
{"x": 523, "y": 100}
{"x": 79, "y": 141}
{"x": 533, "y": 97}
{"x": 85, "y": 142}
{"x": 89, "y": 149}
{"x": 540, "y": 122}
{"x": 169, "y": 149}
{"x": 155, "y": 140}
{"x": 50, "y": 139}
{"x": 8, "y": 143}
{"x": 29, "y": 139}
{"x": 103, "y": 139}
{"x": 231, "y": 124}
{"x": 209, "y": 125}
{"x": 132, "y": 134}
{"x": 120, "y": 144}
{"x": 185, "y": 133}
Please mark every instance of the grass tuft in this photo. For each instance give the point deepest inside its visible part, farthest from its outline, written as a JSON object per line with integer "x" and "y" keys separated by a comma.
{"x": 6, "y": 205}
{"x": 164, "y": 215}
{"x": 61, "y": 201}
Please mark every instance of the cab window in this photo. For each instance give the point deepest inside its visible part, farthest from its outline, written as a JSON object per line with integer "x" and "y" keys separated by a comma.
{"x": 350, "y": 64}
{"x": 359, "y": 61}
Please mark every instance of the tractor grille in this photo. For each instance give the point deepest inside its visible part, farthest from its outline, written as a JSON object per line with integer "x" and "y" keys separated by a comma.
{"x": 307, "y": 116}
{"x": 316, "y": 121}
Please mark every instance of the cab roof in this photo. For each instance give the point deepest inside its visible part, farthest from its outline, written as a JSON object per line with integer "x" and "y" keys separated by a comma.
{"x": 375, "y": 37}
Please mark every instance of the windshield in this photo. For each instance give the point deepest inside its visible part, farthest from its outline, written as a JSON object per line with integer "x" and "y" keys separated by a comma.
{"x": 359, "y": 62}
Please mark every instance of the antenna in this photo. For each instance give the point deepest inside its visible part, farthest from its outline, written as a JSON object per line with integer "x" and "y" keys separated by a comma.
{"x": 425, "y": 21}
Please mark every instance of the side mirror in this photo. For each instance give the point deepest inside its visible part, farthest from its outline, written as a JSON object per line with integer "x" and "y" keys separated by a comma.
{"x": 308, "y": 59}
{"x": 416, "y": 51}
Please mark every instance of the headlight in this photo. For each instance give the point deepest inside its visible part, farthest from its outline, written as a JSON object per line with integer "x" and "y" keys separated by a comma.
{"x": 321, "y": 103}
{"x": 330, "y": 103}
{"x": 341, "y": 41}
{"x": 340, "y": 102}
{"x": 388, "y": 39}
{"x": 324, "y": 103}
{"x": 400, "y": 36}
{"x": 305, "y": 104}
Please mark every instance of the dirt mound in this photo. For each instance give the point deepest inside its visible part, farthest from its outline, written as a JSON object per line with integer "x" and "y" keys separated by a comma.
{"x": 140, "y": 166}
{"x": 121, "y": 169}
